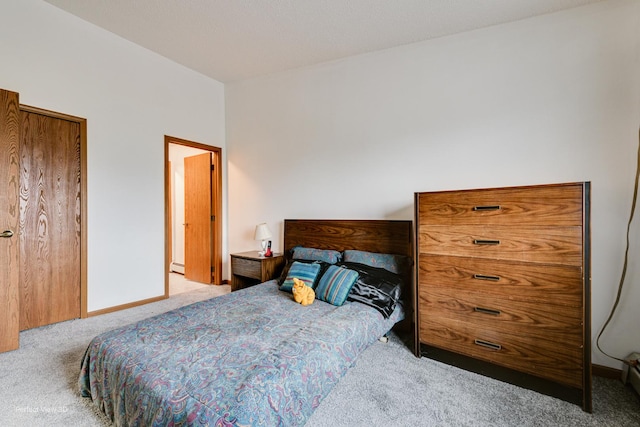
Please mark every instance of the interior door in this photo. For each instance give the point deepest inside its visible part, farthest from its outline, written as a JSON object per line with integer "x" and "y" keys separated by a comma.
{"x": 198, "y": 233}
{"x": 50, "y": 220}
{"x": 9, "y": 243}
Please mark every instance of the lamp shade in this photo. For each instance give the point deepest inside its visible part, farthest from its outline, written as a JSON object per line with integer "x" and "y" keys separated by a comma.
{"x": 262, "y": 232}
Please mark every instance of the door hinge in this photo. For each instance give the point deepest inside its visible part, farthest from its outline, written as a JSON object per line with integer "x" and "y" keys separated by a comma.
{"x": 213, "y": 167}
{"x": 213, "y": 217}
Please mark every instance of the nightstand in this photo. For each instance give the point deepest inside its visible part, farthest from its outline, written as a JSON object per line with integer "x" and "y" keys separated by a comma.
{"x": 249, "y": 268}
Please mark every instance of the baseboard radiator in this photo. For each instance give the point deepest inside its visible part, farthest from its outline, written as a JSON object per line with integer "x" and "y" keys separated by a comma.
{"x": 631, "y": 374}
{"x": 176, "y": 267}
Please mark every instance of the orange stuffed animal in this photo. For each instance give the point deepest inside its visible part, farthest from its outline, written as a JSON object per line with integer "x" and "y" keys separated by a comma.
{"x": 302, "y": 293}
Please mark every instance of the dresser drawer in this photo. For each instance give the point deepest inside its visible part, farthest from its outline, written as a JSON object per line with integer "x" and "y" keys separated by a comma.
{"x": 557, "y": 285}
{"x": 537, "y": 357}
{"x": 544, "y": 205}
{"x": 538, "y": 322}
{"x": 246, "y": 268}
{"x": 553, "y": 245}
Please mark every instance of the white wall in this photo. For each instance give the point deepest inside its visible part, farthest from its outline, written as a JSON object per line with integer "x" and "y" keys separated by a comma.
{"x": 545, "y": 100}
{"x": 131, "y": 98}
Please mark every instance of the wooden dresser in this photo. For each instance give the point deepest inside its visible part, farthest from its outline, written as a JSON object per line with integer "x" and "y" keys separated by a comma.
{"x": 503, "y": 285}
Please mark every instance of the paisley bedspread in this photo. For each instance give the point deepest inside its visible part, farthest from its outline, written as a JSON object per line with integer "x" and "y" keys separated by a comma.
{"x": 249, "y": 358}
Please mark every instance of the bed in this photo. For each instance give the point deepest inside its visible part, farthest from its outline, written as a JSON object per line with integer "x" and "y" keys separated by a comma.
{"x": 254, "y": 357}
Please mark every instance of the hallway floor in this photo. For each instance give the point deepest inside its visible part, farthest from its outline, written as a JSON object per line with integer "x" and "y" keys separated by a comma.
{"x": 178, "y": 284}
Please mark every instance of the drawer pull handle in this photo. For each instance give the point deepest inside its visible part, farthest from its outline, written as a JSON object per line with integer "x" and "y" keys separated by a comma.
{"x": 488, "y": 345}
{"x": 485, "y": 242}
{"x": 486, "y": 208}
{"x": 487, "y": 311}
{"x": 485, "y": 277}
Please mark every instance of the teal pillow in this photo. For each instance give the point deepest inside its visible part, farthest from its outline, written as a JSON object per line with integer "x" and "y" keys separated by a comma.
{"x": 394, "y": 263}
{"x": 313, "y": 254}
{"x": 335, "y": 284}
{"x": 301, "y": 271}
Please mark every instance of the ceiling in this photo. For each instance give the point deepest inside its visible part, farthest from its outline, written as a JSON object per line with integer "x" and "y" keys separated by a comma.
{"x": 231, "y": 40}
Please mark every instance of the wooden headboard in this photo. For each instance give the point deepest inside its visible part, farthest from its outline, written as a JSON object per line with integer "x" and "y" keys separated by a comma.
{"x": 382, "y": 236}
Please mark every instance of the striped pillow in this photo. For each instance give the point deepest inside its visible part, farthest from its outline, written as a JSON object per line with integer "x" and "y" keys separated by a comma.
{"x": 305, "y": 272}
{"x": 335, "y": 284}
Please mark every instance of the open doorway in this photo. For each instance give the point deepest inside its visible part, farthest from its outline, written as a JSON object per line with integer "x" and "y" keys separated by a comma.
{"x": 193, "y": 244}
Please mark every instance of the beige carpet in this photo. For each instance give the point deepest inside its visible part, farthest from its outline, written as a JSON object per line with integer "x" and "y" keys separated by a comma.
{"x": 39, "y": 381}
{"x": 387, "y": 386}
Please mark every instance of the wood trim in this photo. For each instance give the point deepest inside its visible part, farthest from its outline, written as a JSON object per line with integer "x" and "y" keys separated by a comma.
{"x": 416, "y": 260}
{"x": 167, "y": 217}
{"x": 126, "y": 306}
{"x": 49, "y": 113}
{"x": 82, "y": 122}
{"x": 168, "y": 231}
{"x": 83, "y": 224}
{"x": 9, "y": 203}
{"x": 217, "y": 211}
{"x": 587, "y": 374}
{"x": 606, "y": 372}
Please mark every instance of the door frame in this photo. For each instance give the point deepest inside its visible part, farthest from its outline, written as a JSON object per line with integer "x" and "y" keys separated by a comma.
{"x": 9, "y": 220}
{"x": 217, "y": 207}
{"x": 83, "y": 194}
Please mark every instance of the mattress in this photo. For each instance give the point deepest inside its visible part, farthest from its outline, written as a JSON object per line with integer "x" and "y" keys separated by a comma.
{"x": 252, "y": 357}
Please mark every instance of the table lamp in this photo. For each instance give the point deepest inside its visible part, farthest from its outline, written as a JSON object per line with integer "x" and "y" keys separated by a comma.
{"x": 262, "y": 233}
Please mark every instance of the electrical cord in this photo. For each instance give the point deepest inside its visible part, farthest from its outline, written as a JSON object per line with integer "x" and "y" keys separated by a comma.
{"x": 624, "y": 267}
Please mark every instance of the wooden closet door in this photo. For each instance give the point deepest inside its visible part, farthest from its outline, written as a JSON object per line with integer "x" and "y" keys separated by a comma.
{"x": 50, "y": 220}
{"x": 198, "y": 218}
{"x": 9, "y": 192}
